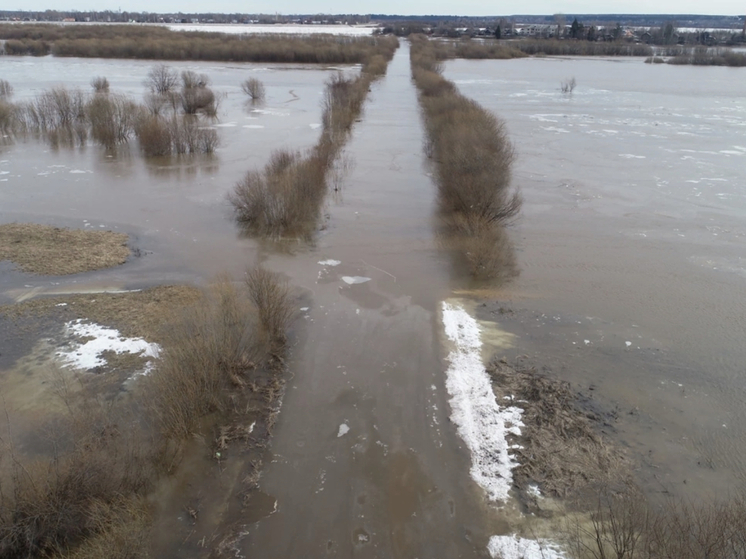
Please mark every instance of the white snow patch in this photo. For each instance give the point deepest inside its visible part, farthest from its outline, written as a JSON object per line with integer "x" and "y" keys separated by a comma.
{"x": 352, "y": 280}
{"x": 253, "y": 126}
{"x": 480, "y": 421}
{"x": 515, "y": 547}
{"x": 628, "y": 344}
{"x": 631, "y": 156}
{"x": 86, "y": 355}
{"x": 330, "y": 262}
{"x": 343, "y": 430}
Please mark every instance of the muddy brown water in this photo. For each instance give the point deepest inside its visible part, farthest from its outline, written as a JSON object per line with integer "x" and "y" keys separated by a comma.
{"x": 631, "y": 248}
{"x": 617, "y": 243}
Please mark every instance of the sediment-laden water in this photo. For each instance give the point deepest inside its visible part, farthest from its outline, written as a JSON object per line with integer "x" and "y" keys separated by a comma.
{"x": 632, "y": 278}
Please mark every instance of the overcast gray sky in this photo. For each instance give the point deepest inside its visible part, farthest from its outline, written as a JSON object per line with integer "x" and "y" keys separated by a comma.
{"x": 405, "y": 7}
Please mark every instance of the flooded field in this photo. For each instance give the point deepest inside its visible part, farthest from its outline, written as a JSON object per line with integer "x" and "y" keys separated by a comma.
{"x": 629, "y": 246}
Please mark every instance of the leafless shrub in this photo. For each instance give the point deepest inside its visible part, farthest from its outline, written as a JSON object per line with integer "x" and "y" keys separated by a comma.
{"x": 10, "y": 119}
{"x": 568, "y": 86}
{"x": 113, "y": 119}
{"x": 100, "y": 84}
{"x": 254, "y": 88}
{"x": 49, "y": 505}
{"x": 282, "y": 199}
{"x": 473, "y": 162}
{"x": 154, "y": 136}
{"x": 271, "y": 298}
{"x": 121, "y": 530}
{"x": 6, "y": 90}
{"x": 176, "y": 135}
{"x": 195, "y": 99}
{"x": 161, "y": 79}
{"x": 623, "y": 525}
{"x": 156, "y": 104}
{"x": 57, "y": 108}
{"x": 212, "y": 345}
{"x": 488, "y": 251}
{"x": 192, "y": 80}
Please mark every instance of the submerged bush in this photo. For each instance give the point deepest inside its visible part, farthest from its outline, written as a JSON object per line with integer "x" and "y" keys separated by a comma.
{"x": 473, "y": 159}
{"x": 6, "y": 90}
{"x": 161, "y": 79}
{"x": 113, "y": 119}
{"x": 254, "y": 89}
{"x": 100, "y": 84}
{"x": 176, "y": 135}
{"x": 284, "y": 198}
{"x": 213, "y": 347}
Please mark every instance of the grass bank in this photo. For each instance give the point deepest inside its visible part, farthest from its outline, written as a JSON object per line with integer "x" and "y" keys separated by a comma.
{"x": 85, "y": 488}
{"x": 160, "y": 43}
{"x": 55, "y": 251}
{"x": 283, "y": 199}
{"x": 472, "y": 157}
{"x": 704, "y": 56}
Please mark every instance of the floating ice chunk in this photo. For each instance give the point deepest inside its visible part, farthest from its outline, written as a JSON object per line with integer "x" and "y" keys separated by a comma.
{"x": 352, "y": 280}
{"x": 514, "y": 547}
{"x": 343, "y": 430}
{"x": 330, "y": 262}
{"x": 253, "y": 126}
{"x": 628, "y": 344}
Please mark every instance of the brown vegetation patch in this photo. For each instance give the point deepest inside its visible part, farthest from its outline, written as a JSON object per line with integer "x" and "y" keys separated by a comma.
{"x": 160, "y": 43}
{"x": 283, "y": 200}
{"x": 55, "y": 251}
{"x": 623, "y": 525}
{"x": 562, "y": 448}
{"x": 134, "y": 314}
{"x": 220, "y": 378}
{"x": 473, "y": 159}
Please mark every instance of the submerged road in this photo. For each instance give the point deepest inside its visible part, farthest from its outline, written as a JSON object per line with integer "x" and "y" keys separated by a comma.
{"x": 365, "y": 462}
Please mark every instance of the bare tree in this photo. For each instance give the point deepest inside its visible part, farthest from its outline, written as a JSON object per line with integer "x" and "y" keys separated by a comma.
{"x": 161, "y": 79}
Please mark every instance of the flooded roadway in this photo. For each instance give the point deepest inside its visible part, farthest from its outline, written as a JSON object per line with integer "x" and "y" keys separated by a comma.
{"x": 365, "y": 461}
{"x": 630, "y": 246}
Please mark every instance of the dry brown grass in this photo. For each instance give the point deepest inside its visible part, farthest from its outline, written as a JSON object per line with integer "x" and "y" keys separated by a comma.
{"x": 562, "y": 449}
{"x": 213, "y": 348}
{"x": 49, "y": 250}
{"x": 96, "y": 464}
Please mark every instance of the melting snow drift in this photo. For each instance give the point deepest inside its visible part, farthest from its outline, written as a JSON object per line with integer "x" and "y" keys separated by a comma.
{"x": 87, "y": 354}
{"x": 480, "y": 422}
{"x": 513, "y": 547}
